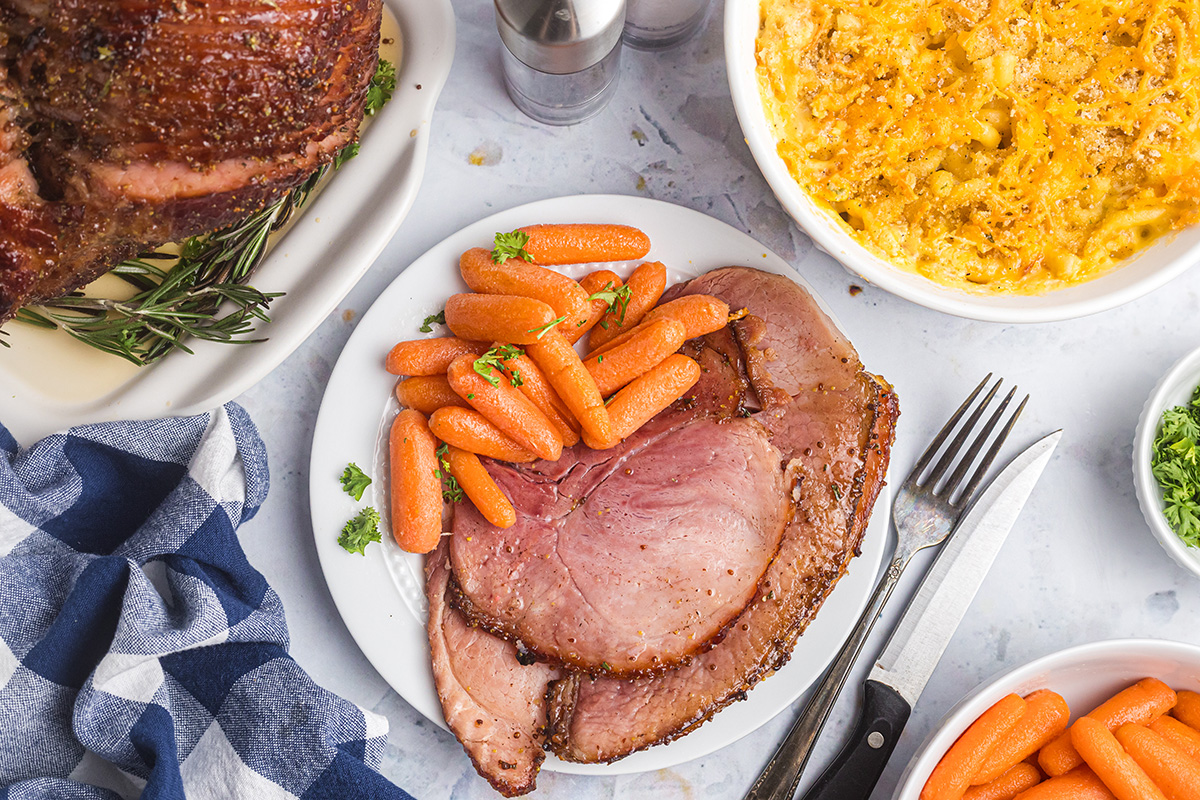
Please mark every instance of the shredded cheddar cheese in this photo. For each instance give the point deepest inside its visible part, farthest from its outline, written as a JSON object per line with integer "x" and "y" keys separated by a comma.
{"x": 1014, "y": 146}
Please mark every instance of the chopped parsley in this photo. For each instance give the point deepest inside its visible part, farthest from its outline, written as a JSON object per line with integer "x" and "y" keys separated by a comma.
{"x": 616, "y": 299}
{"x": 487, "y": 364}
{"x": 354, "y": 481}
{"x": 383, "y": 84}
{"x": 433, "y": 319}
{"x": 511, "y": 245}
{"x": 360, "y": 532}
{"x": 451, "y": 491}
{"x": 1175, "y": 464}
{"x": 542, "y": 330}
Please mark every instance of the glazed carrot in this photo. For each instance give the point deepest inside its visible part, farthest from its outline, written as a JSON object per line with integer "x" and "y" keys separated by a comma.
{"x": 467, "y": 429}
{"x": 573, "y": 383}
{"x": 649, "y": 394}
{"x": 523, "y": 373}
{"x": 429, "y": 356}
{"x": 699, "y": 313}
{"x": 1007, "y": 786}
{"x": 636, "y": 355}
{"x": 427, "y": 393}
{"x": 478, "y": 485}
{"x": 1172, "y": 770}
{"x": 646, "y": 286}
{"x": 952, "y": 775}
{"x": 505, "y": 407}
{"x": 416, "y": 491}
{"x": 1112, "y": 765}
{"x": 503, "y": 317}
{"x": 1078, "y": 784}
{"x": 1142, "y": 703}
{"x": 1187, "y": 709}
{"x": 583, "y": 243}
{"x": 602, "y": 280}
{"x": 518, "y": 277}
{"x": 1046, "y": 716}
{"x": 1182, "y": 736}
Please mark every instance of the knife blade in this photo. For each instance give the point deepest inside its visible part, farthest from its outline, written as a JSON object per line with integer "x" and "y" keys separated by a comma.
{"x": 927, "y": 625}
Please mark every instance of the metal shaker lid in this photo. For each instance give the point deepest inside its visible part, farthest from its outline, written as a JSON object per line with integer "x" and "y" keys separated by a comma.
{"x": 560, "y": 36}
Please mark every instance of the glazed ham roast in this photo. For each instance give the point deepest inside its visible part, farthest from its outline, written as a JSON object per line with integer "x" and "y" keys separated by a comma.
{"x": 129, "y": 123}
{"x": 645, "y": 587}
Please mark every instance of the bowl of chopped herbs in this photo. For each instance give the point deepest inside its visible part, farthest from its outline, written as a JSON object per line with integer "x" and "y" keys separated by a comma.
{"x": 1166, "y": 462}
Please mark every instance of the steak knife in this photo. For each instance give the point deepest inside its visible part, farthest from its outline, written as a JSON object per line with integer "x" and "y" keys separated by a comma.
{"x": 927, "y": 625}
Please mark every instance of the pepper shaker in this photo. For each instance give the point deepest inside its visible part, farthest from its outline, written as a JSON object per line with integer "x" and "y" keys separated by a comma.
{"x": 561, "y": 58}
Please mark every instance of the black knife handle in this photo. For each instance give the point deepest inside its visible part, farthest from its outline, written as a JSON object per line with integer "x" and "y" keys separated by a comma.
{"x": 856, "y": 770}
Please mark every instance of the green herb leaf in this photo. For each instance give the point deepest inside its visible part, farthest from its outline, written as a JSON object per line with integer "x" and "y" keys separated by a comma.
{"x": 511, "y": 245}
{"x": 616, "y": 299}
{"x": 489, "y": 362}
{"x": 345, "y": 154}
{"x": 360, "y": 532}
{"x": 381, "y": 88}
{"x": 451, "y": 491}
{"x": 542, "y": 330}
{"x": 433, "y": 319}
{"x": 1175, "y": 464}
{"x": 354, "y": 481}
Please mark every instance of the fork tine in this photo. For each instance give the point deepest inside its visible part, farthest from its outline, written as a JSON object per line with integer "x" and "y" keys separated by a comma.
{"x": 969, "y": 491}
{"x": 948, "y": 457}
{"x": 965, "y": 462}
{"x": 931, "y": 451}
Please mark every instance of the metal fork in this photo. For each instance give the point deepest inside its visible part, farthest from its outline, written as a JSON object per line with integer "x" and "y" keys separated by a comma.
{"x": 926, "y": 509}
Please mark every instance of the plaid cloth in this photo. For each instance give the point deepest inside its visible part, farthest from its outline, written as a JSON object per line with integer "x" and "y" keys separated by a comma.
{"x": 140, "y": 653}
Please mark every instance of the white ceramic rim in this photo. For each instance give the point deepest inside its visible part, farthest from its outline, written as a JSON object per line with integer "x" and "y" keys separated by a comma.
{"x": 1036, "y": 674}
{"x": 1141, "y": 274}
{"x": 333, "y": 243}
{"x": 1173, "y": 389}
{"x": 372, "y": 593}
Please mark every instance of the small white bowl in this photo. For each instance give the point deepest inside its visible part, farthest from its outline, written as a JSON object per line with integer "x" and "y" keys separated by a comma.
{"x": 1085, "y": 676}
{"x": 1175, "y": 389}
{"x": 1138, "y": 275}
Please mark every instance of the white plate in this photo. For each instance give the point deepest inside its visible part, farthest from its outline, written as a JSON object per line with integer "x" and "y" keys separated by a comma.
{"x": 381, "y": 597}
{"x": 48, "y": 381}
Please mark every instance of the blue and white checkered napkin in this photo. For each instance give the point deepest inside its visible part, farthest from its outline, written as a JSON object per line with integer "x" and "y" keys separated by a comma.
{"x": 140, "y": 653}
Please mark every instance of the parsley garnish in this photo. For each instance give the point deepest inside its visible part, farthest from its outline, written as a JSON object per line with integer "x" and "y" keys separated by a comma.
{"x": 433, "y": 319}
{"x": 1175, "y": 464}
{"x": 383, "y": 83}
{"x": 542, "y": 330}
{"x": 360, "y": 532}
{"x": 354, "y": 481}
{"x": 487, "y": 364}
{"x": 451, "y": 491}
{"x": 616, "y": 298}
{"x": 345, "y": 154}
{"x": 511, "y": 245}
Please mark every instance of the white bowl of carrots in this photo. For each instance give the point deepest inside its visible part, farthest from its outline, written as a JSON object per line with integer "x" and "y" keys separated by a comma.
{"x": 1112, "y": 719}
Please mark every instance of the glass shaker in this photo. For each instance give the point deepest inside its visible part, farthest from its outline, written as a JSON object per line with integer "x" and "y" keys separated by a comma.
{"x": 561, "y": 58}
{"x": 659, "y": 24}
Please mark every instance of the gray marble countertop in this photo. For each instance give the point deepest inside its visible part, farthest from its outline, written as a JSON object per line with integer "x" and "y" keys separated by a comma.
{"x": 1080, "y": 565}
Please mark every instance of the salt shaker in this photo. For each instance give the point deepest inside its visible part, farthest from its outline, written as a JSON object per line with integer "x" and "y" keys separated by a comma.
{"x": 659, "y": 24}
{"x": 561, "y": 58}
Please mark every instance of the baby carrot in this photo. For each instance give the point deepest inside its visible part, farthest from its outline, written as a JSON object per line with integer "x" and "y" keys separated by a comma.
{"x": 601, "y": 281}
{"x": 1187, "y": 709}
{"x": 467, "y": 429}
{"x": 573, "y": 383}
{"x": 502, "y": 317}
{"x": 505, "y": 407}
{"x": 952, "y": 775}
{"x": 1046, "y": 716}
{"x": 429, "y": 356}
{"x": 1170, "y": 768}
{"x": 647, "y": 348}
{"x": 1185, "y": 738}
{"x": 631, "y": 407}
{"x": 416, "y": 491}
{"x": 518, "y": 277}
{"x": 1015, "y": 780}
{"x": 1078, "y": 784}
{"x": 1112, "y": 765}
{"x": 523, "y": 373}
{"x": 478, "y": 485}
{"x": 1142, "y": 703}
{"x": 646, "y": 286}
{"x": 583, "y": 243}
{"x": 699, "y": 313}
{"x": 427, "y": 393}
